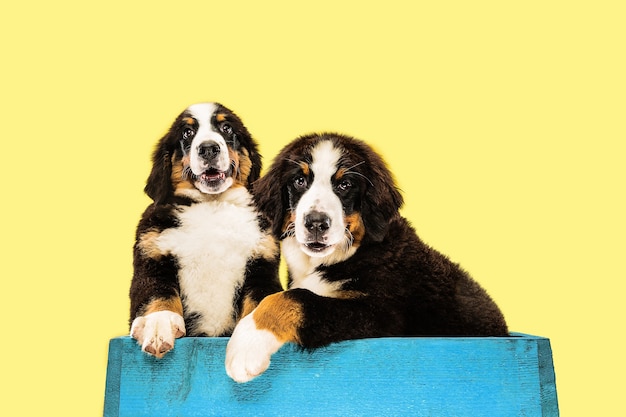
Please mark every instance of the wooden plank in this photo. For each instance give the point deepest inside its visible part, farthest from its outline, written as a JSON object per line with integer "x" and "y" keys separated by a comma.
{"x": 509, "y": 376}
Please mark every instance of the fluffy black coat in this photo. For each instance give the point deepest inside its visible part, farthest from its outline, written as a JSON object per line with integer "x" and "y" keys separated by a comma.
{"x": 393, "y": 284}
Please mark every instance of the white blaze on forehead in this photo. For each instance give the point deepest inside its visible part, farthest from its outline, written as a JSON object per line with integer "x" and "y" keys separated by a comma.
{"x": 325, "y": 161}
{"x": 320, "y": 196}
{"x": 203, "y": 113}
{"x": 202, "y": 110}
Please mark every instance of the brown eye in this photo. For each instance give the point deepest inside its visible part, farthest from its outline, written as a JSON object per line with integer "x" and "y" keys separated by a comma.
{"x": 344, "y": 185}
{"x": 300, "y": 182}
{"x": 226, "y": 128}
{"x": 188, "y": 133}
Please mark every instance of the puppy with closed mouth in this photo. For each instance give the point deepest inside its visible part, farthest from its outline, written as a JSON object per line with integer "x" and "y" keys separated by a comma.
{"x": 203, "y": 256}
{"x": 356, "y": 267}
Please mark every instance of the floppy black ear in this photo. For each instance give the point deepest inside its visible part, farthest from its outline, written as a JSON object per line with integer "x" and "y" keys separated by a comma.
{"x": 382, "y": 199}
{"x": 271, "y": 197}
{"x": 255, "y": 170}
{"x": 159, "y": 185}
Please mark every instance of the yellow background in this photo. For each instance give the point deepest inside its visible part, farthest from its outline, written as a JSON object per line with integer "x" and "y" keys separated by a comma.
{"x": 503, "y": 122}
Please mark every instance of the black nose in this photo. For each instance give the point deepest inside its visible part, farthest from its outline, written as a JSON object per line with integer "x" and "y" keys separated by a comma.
{"x": 208, "y": 150}
{"x": 316, "y": 221}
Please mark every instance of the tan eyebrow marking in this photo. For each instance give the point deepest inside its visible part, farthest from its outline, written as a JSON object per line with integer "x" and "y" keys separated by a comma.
{"x": 340, "y": 173}
{"x": 305, "y": 168}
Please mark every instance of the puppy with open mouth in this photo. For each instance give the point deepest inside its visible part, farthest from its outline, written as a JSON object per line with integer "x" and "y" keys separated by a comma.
{"x": 203, "y": 256}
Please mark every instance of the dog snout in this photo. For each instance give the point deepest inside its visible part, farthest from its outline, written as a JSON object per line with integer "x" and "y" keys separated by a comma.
{"x": 316, "y": 222}
{"x": 208, "y": 150}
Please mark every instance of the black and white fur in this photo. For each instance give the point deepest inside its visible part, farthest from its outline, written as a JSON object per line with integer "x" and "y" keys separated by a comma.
{"x": 203, "y": 256}
{"x": 357, "y": 268}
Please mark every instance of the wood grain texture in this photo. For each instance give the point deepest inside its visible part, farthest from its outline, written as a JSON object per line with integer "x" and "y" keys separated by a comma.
{"x": 505, "y": 376}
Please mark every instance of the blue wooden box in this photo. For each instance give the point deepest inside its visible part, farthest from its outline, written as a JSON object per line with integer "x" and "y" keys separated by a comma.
{"x": 506, "y": 376}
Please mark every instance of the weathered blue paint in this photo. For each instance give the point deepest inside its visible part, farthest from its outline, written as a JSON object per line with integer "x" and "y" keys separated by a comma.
{"x": 504, "y": 376}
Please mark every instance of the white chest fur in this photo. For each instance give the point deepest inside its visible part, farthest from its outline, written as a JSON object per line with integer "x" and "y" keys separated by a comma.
{"x": 303, "y": 270}
{"x": 213, "y": 243}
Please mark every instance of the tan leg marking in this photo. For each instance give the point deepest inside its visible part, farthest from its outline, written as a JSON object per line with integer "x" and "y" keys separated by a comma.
{"x": 171, "y": 304}
{"x": 280, "y": 315}
{"x": 248, "y": 305}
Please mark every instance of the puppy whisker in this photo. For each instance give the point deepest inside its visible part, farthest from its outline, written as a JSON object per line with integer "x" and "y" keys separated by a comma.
{"x": 237, "y": 171}
{"x": 187, "y": 173}
{"x": 348, "y": 171}
{"x": 289, "y": 231}
{"x": 185, "y": 148}
{"x": 349, "y": 240}
{"x": 355, "y": 165}
{"x": 293, "y": 162}
{"x": 360, "y": 175}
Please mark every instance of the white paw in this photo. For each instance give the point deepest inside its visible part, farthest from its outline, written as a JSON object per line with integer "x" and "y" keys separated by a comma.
{"x": 156, "y": 332}
{"x": 249, "y": 350}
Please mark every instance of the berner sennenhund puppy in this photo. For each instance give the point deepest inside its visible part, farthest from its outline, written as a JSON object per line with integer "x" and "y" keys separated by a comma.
{"x": 356, "y": 267}
{"x": 203, "y": 257}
